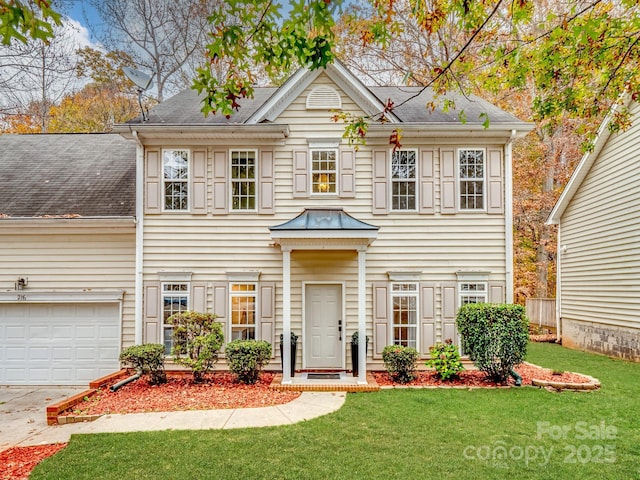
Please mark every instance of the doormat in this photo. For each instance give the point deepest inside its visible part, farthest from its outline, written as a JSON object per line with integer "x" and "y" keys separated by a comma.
{"x": 323, "y": 376}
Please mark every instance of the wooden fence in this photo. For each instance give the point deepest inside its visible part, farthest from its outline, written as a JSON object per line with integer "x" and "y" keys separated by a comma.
{"x": 541, "y": 311}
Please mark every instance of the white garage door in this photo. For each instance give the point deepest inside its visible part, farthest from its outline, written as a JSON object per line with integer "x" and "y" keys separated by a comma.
{"x": 58, "y": 343}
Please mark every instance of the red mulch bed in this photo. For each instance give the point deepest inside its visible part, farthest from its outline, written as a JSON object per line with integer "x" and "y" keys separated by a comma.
{"x": 475, "y": 378}
{"x": 16, "y": 463}
{"x": 220, "y": 390}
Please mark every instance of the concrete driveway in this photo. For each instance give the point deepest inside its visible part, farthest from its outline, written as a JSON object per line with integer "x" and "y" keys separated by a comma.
{"x": 23, "y": 411}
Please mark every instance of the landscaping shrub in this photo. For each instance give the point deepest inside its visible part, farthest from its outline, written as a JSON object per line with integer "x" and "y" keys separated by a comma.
{"x": 494, "y": 336}
{"x": 400, "y": 362}
{"x": 197, "y": 339}
{"x": 247, "y": 357}
{"x": 147, "y": 358}
{"x": 445, "y": 358}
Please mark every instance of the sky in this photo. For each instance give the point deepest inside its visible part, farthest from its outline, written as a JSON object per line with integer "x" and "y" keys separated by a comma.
{"x": 83, "y": 13}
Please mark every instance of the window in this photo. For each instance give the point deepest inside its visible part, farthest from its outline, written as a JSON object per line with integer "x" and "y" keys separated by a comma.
{"x": 175, "y": 299}
{"x": 404, "y": 297}
{"x": 471, "y": 179}
{"x": 243, "y": 311}
{"x": 323, "y": 171}
{"x": 243, "y": 180}
{"x": 403, "y": 180}
{"x": 175, "y": 166}
{"x": 472, "y": 293}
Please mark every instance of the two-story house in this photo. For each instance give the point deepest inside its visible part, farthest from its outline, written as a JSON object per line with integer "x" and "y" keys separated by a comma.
{"x": 274, "y": 222}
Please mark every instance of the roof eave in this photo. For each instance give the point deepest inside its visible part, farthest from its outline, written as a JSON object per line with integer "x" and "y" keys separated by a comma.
{"x": 266, "y": 131}
{"x": 521, "y": 129}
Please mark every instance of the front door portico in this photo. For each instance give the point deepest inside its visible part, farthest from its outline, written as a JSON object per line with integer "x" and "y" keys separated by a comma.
{"x": 323, "y": 229}
{"x": 323, "y": 326}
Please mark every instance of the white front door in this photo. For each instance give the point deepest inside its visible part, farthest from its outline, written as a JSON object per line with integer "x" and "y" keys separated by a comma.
{"x": 324, "y": 326}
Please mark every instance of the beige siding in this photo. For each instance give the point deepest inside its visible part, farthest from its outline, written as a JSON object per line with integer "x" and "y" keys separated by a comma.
{"x": 600, "y": 269}
{"x": 68, "y": 259}
{"x": 436, "y": 245}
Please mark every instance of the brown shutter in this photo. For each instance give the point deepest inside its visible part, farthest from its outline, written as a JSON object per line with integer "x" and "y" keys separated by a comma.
{"x": 495, "y": 175}
{"x": 496, "y": 293}
{"x": 152, "y": 313}
{"x": 380, "y": 182}
{"x": 220, "y": 305}
{"x": 427, "y": 181}
{"x": 449, "y": 313}
{"x": 347, "y": 173}
{"x": 220, "y": 188}
{"x": 153, "y": 181}
{"x": 199, "y": 182}
{"x": 267, "y": 314}
{"x": 300, "y": 174}
{"x": 448, "y": 181}
{"x": 198, "y": 297}
{"x": 428, "y": 318}
{"x": 381, "y": 326}
{"x": 266, "y": 186}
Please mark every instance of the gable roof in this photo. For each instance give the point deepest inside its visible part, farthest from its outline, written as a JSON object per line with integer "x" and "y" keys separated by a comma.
{"x": 585, "y": 164}
{"x": 67, "y": 175}
{"x": 184, "y": 109}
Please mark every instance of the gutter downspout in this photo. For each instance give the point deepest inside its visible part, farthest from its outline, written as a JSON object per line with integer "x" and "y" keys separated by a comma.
{"x": 508, "y": 213}
{"x": 139, "y": 237}
{"x": 559, "y": 255}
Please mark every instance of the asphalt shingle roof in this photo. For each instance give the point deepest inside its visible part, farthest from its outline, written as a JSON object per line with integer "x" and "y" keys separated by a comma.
{"x": 89, "y": 175}
{"x": 411, "y": 107}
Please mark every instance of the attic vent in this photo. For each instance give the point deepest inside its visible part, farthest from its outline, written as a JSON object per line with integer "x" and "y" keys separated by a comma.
{"x": 323, "y": 98}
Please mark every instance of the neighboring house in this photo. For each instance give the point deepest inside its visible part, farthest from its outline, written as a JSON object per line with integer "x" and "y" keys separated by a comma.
{"x": 272, "y": 221}
{"x": 67, "y": 256}
{"x": 598, "y": 218}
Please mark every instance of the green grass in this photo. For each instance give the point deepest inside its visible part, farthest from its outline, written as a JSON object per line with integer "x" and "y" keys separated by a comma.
{"x": 415, "y": 434}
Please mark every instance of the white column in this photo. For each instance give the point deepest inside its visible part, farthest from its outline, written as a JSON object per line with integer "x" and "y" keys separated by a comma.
{"x": 362, "y": 326}
{"x": 286, "y": 315}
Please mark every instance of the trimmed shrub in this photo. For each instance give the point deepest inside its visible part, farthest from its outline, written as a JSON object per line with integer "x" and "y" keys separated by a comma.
{"x": 445, "y": 358}
{"x": 494, "y": 336}
{"x": 246, "y": 358}
{"x": 400, "y": 362}
{"x": 197, "y": 340}
{"x": 147, "y": 359}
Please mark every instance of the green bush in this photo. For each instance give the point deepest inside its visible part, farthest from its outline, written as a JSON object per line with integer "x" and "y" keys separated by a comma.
{"x": 147, "y": 358}
{"x": 197, "y": 339}
{"x": 494, "y": 336}
{"x": 445, "y": 358}
{"x": 400, "y": 362}
{"x": 247, "y": 357}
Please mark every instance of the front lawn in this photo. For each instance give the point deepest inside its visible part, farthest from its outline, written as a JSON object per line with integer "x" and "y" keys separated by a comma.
{"x": 481, "y": 434}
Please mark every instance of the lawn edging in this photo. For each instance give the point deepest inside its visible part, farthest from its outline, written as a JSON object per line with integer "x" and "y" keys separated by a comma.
{"x": 54, "y": 411}
{"x": 593, "y": 384}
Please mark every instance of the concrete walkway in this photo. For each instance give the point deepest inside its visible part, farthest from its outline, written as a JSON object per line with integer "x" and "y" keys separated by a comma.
{"x": 309, "y": 405}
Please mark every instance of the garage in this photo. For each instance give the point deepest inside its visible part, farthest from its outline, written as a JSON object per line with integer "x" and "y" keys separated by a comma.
{"x": 58, "y": 343}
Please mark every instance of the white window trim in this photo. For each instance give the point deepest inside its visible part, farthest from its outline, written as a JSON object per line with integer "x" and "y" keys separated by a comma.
{"x": 186, "y": 293}
{"x": 484, "y": 180}
{"x": 311, "y": 171}
{"x": 187, "y": 181}
{"x": 256, "y": 180}
{"x": 415, "y": 294}
{"x": 415, "y": 181}
{"x": 484, "y": 294}
{"x": 256, "y": 314}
